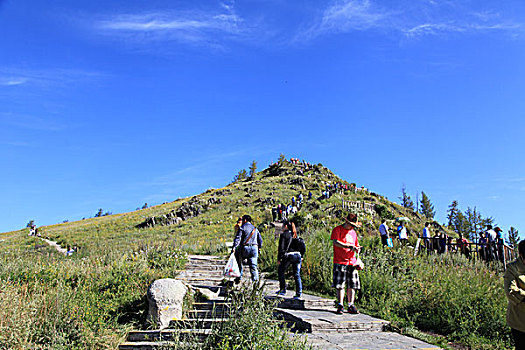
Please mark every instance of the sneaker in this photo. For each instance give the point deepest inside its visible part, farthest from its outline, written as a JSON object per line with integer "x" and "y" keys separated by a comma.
{"x": 281, "y": 293}
{"x": 297, "y": 297}
{"x": 237, "y": 280}
{"x": 340, "y": 309}
{"x": 352, "y": 309}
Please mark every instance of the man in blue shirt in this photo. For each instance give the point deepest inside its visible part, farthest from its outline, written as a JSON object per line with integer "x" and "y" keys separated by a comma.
{"x": 248, "y": 239}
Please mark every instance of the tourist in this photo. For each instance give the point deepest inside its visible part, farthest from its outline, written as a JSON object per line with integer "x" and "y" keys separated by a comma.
{"x": 482, "y": 242}
{"x": 491, "y": 236}
{"x": 500, "y": 243}
{"x": 289, "y": 254}
{"x": 249, "y": 241}
{"x": 426, "y": 237}
{"x": 238, "y": 252}
{"x": 463, "y": 245}
{"x": 514, "y": 284}
{"x": 383, "y": 231}
{"x": 402, "y": 234}
{"x": 346, "y": 249}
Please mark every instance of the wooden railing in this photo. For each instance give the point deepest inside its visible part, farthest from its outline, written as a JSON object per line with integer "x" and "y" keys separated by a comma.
{"x": 486, "y": 251}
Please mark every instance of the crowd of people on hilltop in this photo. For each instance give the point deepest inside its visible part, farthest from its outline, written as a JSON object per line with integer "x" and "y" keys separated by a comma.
{"x": 490, "y": 246}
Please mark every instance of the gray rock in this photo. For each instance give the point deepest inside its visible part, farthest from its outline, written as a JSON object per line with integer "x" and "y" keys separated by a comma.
{"x": 165, "y": 300}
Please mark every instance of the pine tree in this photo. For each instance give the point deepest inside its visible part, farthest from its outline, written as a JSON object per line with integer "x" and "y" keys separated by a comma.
{"x": 427, "y": 209}
{"x": 241, "y": 175}
{"x": 406, "y": 201}
{"x": 461, "y": 224}
{"x": 99, "y": 213}
{"x": 281, "y": 159}
{"x": 30, "y": 223}
{"x": 145, "y": 206}
{"x": 253, "y": 169}
{"x": 474, "y": 219}
{"x": 514, "y": 237}
{"x": 452, "y": 213}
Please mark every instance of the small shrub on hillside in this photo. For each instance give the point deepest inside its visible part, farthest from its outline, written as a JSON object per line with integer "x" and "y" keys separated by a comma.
{"x": 250, "y": 325}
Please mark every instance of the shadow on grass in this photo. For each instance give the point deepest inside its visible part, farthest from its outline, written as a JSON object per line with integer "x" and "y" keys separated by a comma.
{"x": 133, "y": 313}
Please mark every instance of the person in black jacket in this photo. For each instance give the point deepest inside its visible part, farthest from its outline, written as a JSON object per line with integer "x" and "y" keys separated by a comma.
{"x": 289, "y": 254}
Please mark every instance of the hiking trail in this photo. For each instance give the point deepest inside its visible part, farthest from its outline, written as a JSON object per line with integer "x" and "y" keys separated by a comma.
{"x": 312, "y": 317}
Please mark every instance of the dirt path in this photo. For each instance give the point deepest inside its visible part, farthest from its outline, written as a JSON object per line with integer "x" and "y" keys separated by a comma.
{"x": 55, "y": 245}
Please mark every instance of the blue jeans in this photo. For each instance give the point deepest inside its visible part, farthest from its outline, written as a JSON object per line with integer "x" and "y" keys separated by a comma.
{"x": 293, "y": 259}
{"x": 251, "y": 252}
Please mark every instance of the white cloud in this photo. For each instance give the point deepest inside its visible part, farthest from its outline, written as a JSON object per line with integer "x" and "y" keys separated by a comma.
{"x": 44, "y": 77}
{"x": 12, "y": 81}
{"x": 189, "y": 27}
{"x": 409, "y": 19}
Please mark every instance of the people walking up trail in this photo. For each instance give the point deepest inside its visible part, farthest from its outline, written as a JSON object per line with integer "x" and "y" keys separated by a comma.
{"x": 312, "y": 317}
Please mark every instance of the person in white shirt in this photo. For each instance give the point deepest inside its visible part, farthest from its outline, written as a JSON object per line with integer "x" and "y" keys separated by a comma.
{"x": 383, "y": 230}
{"x": 403, "y": 236}
{"x": 492, "y": 237}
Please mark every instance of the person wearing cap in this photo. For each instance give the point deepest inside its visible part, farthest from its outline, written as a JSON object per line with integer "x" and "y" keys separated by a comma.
{"x": 514, "y": 285}
{"x": 345, "y": 271}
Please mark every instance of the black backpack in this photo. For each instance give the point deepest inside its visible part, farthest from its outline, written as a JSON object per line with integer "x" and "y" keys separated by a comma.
{"x": 297, "y": 245}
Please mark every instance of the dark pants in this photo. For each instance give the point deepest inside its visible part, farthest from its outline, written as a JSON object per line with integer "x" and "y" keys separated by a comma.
{"x": 384, "y": 239}
{"x": 293, "y": 259}
{"x": 519, "y": 339}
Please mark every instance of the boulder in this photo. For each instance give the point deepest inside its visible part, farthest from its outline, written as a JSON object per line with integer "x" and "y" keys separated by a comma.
{"x": 165, "y": 300}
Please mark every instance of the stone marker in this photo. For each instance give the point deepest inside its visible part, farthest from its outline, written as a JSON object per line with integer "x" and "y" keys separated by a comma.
{"x": 165, "y": 299}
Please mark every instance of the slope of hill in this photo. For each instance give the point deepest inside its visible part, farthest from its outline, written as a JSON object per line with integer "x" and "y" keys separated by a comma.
{"x": 101, "y": 288}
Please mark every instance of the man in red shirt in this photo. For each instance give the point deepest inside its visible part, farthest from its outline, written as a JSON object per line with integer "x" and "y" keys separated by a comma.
{"x": 346, "y": 248}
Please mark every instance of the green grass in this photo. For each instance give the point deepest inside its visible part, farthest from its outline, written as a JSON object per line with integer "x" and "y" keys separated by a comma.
{"x": 91, "y": 299}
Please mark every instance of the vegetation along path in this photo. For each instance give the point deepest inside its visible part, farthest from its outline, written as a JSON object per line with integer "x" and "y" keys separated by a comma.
{"x": 311, "y": 317}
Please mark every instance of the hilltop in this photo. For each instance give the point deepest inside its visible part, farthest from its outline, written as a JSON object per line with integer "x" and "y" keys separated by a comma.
{"x": 202, "y": 223}
{"x": 92, "y": 298}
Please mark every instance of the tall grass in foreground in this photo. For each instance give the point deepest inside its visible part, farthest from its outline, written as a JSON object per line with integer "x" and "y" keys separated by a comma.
{"x": 250, "y": 325}
{"x": 48, "y": 301}
{"x": 446, "y": 295}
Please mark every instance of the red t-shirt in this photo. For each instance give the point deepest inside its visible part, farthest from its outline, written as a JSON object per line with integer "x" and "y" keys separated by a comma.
{"x": 344, "y": 256}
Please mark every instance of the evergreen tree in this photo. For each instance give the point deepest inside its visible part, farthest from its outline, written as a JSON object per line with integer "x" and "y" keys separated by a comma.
{"x": 99, "y": 213}
{"x": 242, "y": 175}
{"x": 474, "y": 219}
{"x": 281, "y": 159}
{"x": 487, "y": 221}
{"x": 427, "y": 209}
{"x": 406, "y": 201}
{"x": 452, "y": 212}
{"x": 253, "y": 169}
{"x": 30, "y": 223}
{"x": 461, "y": 224}
{"x": 514, "y": 237}
{"x": 145, "y": 206}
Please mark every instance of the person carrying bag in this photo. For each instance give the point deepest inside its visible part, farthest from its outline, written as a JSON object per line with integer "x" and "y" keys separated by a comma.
{"x": 249, "y": 241}
{"x": 291, "y": 251}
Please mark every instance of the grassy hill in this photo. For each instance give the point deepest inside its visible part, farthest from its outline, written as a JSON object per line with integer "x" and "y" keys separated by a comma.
{"x": 90, "y": 299}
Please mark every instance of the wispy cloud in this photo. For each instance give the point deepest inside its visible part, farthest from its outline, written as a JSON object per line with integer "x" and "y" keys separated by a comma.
{"x": 44, "y": 78}
{"x": 188, "y": 27}
{"x": 30, "y": 122}
{"x": 12, "y": 81}
{"x": 408, "y": 19}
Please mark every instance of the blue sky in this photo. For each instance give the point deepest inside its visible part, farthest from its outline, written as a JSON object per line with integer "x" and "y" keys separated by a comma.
{"x": 111, "y": 104}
